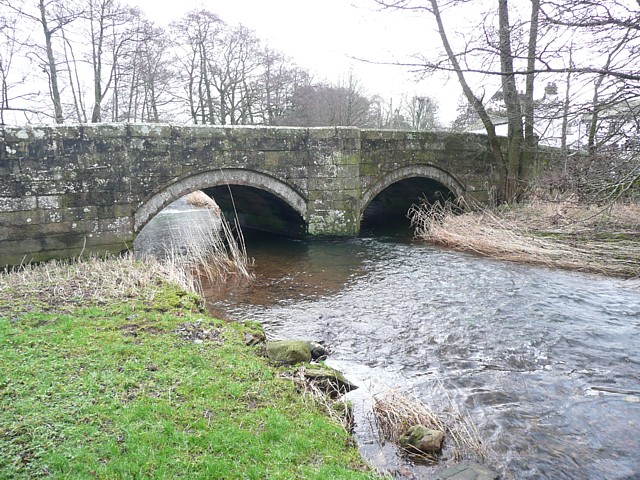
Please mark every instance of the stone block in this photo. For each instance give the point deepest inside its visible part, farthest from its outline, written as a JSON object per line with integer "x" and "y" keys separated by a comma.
{"x": 100, "y": 131}
{"x": 21, "y": 218}
{"x": 21, "y": 204}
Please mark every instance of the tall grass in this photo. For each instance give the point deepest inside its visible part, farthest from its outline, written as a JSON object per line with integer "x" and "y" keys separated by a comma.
{"x": 210, "y": 248}
{"x": 88, "y": 280}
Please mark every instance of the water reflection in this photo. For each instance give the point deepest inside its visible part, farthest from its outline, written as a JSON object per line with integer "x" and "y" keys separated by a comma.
{"x": 288, "y": 271}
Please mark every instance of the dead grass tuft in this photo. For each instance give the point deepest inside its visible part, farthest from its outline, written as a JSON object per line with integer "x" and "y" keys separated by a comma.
{"x": 212, "y": 249}
{"x": 339, "y": 409}
{"x": 394, "y": 413}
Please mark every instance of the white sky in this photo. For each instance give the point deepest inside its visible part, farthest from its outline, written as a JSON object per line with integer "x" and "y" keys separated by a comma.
{"x": 323, "y": 36}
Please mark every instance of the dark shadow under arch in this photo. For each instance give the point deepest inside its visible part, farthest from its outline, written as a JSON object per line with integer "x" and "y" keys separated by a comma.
{"x": 386, "y": 203}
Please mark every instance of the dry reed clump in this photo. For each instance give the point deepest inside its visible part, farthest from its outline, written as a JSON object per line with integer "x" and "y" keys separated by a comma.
{"x": 88, "y": 280}
{"x": 559, "y": 234}
{"x": 210, "y": 248}
{"x": 394, "y": 413}
{"x": 340, "y": 410}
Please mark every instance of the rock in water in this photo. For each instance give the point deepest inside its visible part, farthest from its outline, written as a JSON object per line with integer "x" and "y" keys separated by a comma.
{"x": 318, "y": 351}
{"x": 467, "y": 471}
{"x": 420, "y": 439}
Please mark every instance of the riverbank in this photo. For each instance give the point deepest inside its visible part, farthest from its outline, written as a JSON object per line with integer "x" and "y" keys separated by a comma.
{"x": 112, "y": 370}
{"x": 558, "y": 234}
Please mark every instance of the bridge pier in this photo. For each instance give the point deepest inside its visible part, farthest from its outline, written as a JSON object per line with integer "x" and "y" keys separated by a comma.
{"x": 334, "y": 191}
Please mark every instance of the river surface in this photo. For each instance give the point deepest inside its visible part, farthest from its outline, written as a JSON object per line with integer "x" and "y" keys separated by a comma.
{"x": 545, "y": 363}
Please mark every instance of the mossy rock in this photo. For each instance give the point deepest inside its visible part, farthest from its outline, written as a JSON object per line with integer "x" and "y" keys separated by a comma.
{"x": 289, "y": 352}
{"x": 253, "y": 334}
{"x": 420, "y": 439}
{"x": 329, "y": 380}
{"x": 292, "y": 352}
{"x": 173, "y": 298}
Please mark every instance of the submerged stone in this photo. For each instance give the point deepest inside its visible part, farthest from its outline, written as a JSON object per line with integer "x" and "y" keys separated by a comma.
{"x": 318, "y": 351}
{"x": 467, "y": 471}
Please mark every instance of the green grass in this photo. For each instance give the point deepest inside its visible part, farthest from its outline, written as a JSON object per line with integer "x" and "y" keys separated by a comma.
{"x": 122, "y": 390}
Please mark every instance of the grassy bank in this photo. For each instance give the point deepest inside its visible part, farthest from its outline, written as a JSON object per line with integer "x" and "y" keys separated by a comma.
{"x": 560, "y": 234}
{"x": 109, "y": 370}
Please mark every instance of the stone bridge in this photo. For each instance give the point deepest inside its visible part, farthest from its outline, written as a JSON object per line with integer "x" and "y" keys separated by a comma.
{"x": 91, "y": 188}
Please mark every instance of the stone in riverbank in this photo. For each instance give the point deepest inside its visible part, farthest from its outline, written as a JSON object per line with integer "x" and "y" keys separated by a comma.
{"x": 328, "y": 379}
{"x": 291, "y": 352}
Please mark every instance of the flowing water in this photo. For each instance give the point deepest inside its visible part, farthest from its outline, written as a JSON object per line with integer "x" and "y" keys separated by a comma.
{"x": 545, "y": 363}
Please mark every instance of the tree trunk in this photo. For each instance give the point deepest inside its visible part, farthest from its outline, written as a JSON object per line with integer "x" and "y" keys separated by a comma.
{"x": 96, "y": 116}
{"x": 595, "y": 110}
{"x": 566, "y": 105}
{"x": 53, "y": 72}
{"x": 476, "y": 103}
{"x": 529, "y": 154}
{"x": 75, "y": 91}
{"x": 512, "y": 186}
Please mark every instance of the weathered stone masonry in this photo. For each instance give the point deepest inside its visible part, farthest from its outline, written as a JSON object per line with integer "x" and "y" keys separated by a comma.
{"x": 90, "y": 188}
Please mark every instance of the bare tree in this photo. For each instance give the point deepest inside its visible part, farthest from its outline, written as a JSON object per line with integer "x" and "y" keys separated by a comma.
{"x": 277, "y": 83}
{"x": 234, "y": 68}
{"x": 15, "y": 91}
{"x": 228, "y": 77}
{"x": 196, "y": 37}
{"x": 143, "y": 78}
{"x": 494, "y": 47}
{"x": 111, "y": 30}
{"x": 422, "y": 112}
{"x": 344, "y": 104}
{"x": 49, "y": 16}
{"x": 383, "y": 112}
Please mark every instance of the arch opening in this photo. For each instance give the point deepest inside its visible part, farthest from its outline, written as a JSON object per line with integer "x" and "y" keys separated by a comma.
{"x": 274, "y": 191}
{"x": 388, "y": 209}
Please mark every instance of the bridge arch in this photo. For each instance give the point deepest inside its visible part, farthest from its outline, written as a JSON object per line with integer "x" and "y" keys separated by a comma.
{"x": 215, "y": 178}
{"x": 410, "y": 181}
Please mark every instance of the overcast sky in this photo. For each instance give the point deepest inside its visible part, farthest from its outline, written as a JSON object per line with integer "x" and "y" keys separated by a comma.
{"x": 324, "y": 36}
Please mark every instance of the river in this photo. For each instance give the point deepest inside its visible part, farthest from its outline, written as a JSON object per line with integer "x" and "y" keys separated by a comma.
{"x": 545, "y": 363}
